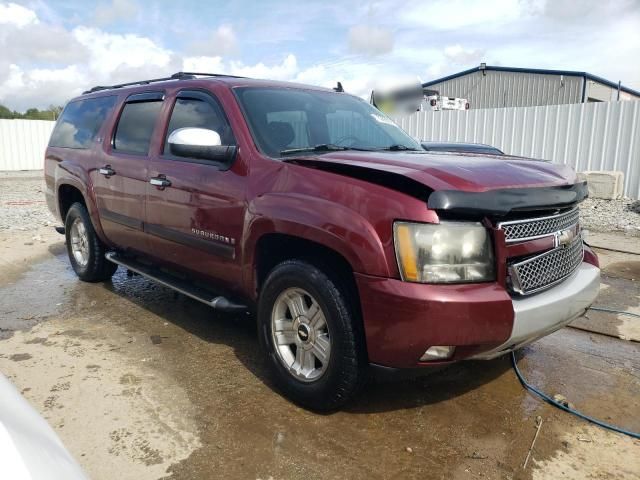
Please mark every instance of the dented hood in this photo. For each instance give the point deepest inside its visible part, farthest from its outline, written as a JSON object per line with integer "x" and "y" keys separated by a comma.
{"x": 455, "y": 171}
{"x": 472, "y": 184}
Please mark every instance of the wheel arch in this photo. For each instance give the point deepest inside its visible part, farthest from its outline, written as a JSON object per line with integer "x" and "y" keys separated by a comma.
{"x": 274, "y": 248}
{"x": 69, "y": 192}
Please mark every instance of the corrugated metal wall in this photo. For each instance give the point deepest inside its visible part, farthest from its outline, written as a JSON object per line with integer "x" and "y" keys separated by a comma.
{"x": 587, "y": 136}
{"x": 512, "y": 89}
{"x": 23, "y": 142}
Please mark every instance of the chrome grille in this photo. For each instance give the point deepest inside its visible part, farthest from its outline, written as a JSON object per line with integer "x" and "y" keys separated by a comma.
{"x": 531, "y": 228}
{"x": 547, "y": 269}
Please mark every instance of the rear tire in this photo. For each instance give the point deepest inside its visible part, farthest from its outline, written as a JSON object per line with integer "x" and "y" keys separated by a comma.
{"x": 86, "y": 251}
{"x": 308, "y": 328}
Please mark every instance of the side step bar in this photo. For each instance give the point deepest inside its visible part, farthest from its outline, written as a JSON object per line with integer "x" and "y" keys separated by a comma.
{"x": 177, "y": 284}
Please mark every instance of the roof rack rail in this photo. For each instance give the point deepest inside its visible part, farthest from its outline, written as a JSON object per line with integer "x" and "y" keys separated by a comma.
{"x": 175, "y": 76}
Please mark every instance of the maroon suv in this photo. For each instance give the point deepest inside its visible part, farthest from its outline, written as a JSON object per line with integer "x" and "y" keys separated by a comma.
{"x": 355, "y": 247}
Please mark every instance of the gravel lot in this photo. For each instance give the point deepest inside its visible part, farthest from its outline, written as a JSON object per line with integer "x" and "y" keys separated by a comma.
{"x": 23, "y": 207}
{"x": 611, "y": 215}
{"x": 22, "y": 203}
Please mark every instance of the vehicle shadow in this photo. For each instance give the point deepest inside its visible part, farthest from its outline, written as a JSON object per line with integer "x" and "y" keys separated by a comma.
{"x": 431, "y": 388}
{"x": 239, "y": 333}
{"x": 56, "y": 249}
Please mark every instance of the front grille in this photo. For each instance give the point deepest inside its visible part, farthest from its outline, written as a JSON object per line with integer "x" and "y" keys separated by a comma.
{"x": 547, "y": 269}
{"x": 529, "y": 229}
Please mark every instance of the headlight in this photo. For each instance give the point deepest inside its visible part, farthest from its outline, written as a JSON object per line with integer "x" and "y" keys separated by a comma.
{"x": 449, "y": 252}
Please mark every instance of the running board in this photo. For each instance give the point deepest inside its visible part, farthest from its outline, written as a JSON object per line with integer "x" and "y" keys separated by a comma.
{"x": 177, "y": 284}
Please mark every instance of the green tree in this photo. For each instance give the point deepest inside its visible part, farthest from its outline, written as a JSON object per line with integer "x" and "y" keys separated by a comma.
{"x": 5, "y": 112}
{"x": 51, "y": 113}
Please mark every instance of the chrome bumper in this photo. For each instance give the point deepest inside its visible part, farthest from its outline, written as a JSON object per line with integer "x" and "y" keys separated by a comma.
{"x": 546, "y": 312}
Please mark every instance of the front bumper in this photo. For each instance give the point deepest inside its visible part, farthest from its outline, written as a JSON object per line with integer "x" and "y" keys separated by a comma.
{"x": 546, "y": 312}
{"x": 402, "y": 320}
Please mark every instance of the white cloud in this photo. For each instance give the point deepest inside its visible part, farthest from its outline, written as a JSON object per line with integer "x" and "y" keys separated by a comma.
{"x": 225, "y": 39}
{"x": 41, "y": 87}
{"x": 43, "y": 60}
{"x": 40, "y": 42}
{"x": 457, "y": 15}
{"x": 203, "y": 64}
{"x": 357, "y": 78}
{"x": 74, "y": 61}
{"x": 370, "y": 40}
{"x": 459, "y": 55}
{"x": 109, "y": 51}
{"x": 107, "y": 13}
{"x": 285, "y": 70}
{"x": 13, "y": 14}
{"x": 222, "y": 41}
{"x": 282, "y": 71}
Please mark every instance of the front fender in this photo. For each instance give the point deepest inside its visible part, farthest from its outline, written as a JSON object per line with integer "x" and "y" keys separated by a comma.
{"x": 330, "y": 224}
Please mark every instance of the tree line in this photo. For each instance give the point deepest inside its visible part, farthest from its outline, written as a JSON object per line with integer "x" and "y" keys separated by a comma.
{"x": 50, "y": 113}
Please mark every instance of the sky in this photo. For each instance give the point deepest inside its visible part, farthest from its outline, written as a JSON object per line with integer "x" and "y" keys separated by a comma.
{"x": 52, "y": 50}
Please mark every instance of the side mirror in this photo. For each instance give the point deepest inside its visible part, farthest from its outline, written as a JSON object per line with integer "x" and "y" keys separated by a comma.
{"x": 200, "y": 143}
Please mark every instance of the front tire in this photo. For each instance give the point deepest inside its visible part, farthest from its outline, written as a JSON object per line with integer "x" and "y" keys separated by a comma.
{"x": 86, "y": 251}
{"x": 307, "y": 326}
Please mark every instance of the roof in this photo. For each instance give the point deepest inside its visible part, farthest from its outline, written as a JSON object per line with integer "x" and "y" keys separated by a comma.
{"x": 230, "y": 80}
{"x": 568, "y": 73}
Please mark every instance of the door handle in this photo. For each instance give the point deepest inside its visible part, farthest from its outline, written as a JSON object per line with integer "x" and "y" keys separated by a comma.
{"x": 160, "y": 181}
{"x": 107, "y": 171}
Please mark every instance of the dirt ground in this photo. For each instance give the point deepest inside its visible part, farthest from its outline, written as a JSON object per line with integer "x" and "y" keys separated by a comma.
{"x": 141, "y": 383}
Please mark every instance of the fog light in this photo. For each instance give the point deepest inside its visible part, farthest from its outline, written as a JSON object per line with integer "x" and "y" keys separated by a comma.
{"x": 438, "y": 352}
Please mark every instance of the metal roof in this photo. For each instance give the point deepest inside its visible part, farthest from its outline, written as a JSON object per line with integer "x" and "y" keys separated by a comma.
{"x": 568, "y": 73}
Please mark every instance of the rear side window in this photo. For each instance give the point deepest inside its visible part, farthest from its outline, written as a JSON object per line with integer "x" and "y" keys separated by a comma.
{"x": 135, "y": 127}
{"x": 80, "y": 122}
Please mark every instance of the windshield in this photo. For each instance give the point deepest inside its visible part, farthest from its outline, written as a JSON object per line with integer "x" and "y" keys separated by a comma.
{"x": 287, "y": 120}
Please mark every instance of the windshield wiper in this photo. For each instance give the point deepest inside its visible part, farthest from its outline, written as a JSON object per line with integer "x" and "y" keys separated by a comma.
{"x": 399, "y": 148}
{"x": 323, "y": 147}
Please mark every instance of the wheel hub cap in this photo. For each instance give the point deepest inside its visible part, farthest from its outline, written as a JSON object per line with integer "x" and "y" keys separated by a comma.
{"x": 79, "y": 242}
{"x": 300, "y": 334}
{"x": 304, "y": 332}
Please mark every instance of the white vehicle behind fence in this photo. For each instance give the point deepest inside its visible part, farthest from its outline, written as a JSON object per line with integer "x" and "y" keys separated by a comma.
{"x": 439, "y": 102}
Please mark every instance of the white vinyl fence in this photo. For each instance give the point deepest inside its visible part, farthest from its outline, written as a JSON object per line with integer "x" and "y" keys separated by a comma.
{"x": 23, "y": 142}
{"x": 587, "y": 136}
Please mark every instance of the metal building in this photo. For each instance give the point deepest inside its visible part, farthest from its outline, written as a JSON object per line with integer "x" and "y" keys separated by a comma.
{"x": 493, "y": 87}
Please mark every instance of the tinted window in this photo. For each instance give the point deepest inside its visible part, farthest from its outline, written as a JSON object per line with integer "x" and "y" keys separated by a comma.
{"x": 298, "y": 121}
{"x": 80, "y": 122}
{"x": 347, "y": 125}
{"x": 198, "y": 113}
{"x": 135, "y": 127}
{"x": 288, "y": 118}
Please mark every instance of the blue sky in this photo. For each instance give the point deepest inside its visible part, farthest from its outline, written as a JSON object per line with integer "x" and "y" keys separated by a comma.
{"x": 52, "y": 50}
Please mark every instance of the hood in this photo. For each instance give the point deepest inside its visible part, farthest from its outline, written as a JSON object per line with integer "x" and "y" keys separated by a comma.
{"x": 470, "y": 184}
{"x": 454, "y": 171}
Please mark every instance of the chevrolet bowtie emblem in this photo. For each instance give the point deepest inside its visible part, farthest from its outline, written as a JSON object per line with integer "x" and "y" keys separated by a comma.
{"x": 566, "y": 237}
